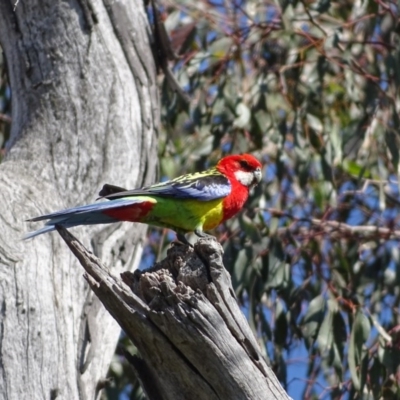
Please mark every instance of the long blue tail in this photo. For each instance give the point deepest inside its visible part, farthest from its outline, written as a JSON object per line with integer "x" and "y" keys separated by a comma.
{"x": 90, "y": 214}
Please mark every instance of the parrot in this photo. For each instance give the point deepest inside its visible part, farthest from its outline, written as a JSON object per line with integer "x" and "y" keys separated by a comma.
{"x": 194, "y": 202}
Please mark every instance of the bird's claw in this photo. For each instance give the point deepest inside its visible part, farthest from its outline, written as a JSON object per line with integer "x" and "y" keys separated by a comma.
{"x": 182, "y": 239}
{"x": 204, "y": 235}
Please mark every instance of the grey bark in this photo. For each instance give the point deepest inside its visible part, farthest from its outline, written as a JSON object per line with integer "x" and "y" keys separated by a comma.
{"x": 84, "y": 112}
{"x": 193, "y": 340}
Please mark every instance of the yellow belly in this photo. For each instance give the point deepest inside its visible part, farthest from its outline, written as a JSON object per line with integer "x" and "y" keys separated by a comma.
{"x": 186, "y": 215}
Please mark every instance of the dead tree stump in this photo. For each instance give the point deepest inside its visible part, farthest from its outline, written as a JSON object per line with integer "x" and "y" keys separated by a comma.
{"x": 183, "y": 317}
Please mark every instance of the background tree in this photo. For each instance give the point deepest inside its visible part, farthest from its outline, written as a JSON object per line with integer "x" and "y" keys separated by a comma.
{"x": 84, "y": 112}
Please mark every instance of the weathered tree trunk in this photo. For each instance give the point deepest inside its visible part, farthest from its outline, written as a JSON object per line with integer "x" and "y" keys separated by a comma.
{"x": 182, "y": 315}
{"x": 85, "y": 112}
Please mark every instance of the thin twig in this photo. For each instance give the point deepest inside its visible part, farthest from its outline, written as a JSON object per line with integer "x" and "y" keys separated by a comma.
{"x": 333, "y": 227}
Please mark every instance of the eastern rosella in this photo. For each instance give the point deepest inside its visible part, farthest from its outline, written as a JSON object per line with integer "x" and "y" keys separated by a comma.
{"x": 189, "y": 203}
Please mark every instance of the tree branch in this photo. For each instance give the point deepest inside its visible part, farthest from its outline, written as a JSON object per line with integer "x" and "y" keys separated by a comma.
{"x": 333, "y": 228}
{"x": 189, "y": 330}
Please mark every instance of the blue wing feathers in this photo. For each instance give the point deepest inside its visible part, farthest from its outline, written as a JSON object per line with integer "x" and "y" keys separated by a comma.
{"x": 193, "y": 186}
{"x": 197, "y": 191}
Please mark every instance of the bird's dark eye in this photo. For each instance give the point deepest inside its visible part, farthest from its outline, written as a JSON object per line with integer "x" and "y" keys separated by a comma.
{"x": 244, "y": 164}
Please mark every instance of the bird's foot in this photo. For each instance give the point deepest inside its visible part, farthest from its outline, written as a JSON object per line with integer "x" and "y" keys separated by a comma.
{"x": 204, "y": 235}
{"x": 182, "y": 238}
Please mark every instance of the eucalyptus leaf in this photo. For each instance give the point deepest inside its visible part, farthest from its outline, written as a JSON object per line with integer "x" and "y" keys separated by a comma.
{"x": 359, "y": 335}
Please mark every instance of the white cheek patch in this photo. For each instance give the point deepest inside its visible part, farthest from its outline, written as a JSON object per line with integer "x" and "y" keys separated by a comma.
{"x": 245, "y": 178}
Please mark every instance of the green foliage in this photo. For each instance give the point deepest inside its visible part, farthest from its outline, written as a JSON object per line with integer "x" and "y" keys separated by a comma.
{"x": 312, "y": 88}
{"x": 122, "y": 380}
